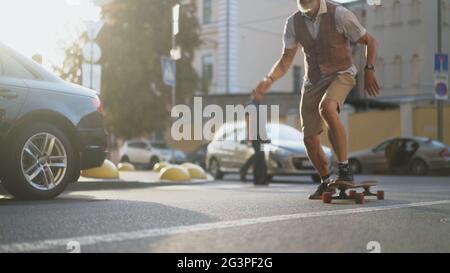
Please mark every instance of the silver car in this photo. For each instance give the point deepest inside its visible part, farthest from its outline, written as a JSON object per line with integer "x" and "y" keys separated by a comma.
{"x": 285, "y": 155}
{"x": 416, "y": 155}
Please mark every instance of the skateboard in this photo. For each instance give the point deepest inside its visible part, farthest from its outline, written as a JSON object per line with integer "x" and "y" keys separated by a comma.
{"x": 359, "y": 198}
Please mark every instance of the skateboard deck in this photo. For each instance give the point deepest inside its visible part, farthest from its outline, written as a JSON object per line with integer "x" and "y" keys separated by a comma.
{"x": 343, "y": 187}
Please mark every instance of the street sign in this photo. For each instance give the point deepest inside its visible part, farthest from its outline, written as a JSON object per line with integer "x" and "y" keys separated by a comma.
{"x": 176, "y": 19}
{"x": 175, "y": 54}
{"x": 168, "y": 71}
{"x": 92, "y": 52}
{"x": 441, "y": 62}
{"x": 93, "y": 29}
{"x": 92, "y": 76}
{"x": 441, "y": 86}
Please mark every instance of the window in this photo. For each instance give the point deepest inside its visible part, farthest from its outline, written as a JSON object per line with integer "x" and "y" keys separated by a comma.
{"x": 298, "y": 78}
{"x": 414, "y": 11}
{"x": 396, "y": 13}
{"x": 445, "y": 13}
{"x": 381, "y": 68}
{"x": 207, "y": 12}
{"x": 416, "y": 64}
{"x": 11, "y": 67}
{"x": 138, "y": 145}
{"x": 207, "y": 72}
{"x": 382, "y": 146}
{"x": 398, "y": 72}
{"x": 379, "y": 16}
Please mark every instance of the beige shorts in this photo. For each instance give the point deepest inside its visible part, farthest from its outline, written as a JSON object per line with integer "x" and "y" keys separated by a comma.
{"x": 335, "y": 88}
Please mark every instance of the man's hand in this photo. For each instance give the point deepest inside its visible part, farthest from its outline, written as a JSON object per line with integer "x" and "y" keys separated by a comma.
{"x": 262, "y": 88}
{"x": 371, "y": 83}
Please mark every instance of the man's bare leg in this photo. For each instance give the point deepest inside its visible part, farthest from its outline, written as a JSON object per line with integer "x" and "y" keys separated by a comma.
{"x": 329, "y": 110}
{"x": 320, "y": 162}
{"x": 336, "y": 130}
{"x": 317, "y": 155}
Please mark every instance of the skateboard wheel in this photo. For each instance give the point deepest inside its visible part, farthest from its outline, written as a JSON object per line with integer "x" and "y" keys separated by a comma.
{"x": 380, "y": 195}
{"x": 326, "y": 198}
{"x": 352, "y": 194}
{"x": 359, "y": 198}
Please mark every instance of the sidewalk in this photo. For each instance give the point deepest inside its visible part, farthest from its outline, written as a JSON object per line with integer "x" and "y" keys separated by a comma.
{"x": 147, "y": 177}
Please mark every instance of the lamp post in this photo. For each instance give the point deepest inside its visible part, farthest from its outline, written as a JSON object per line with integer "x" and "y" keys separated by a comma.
{"x": 440, "y": 103}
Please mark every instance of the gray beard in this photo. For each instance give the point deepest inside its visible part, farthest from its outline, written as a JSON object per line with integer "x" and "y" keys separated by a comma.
{"x": 307, "y": 8}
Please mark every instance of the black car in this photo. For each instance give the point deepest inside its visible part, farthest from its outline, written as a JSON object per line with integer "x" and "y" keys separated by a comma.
{"x": 49, "y": 129}
{"x": 198, "y": 156}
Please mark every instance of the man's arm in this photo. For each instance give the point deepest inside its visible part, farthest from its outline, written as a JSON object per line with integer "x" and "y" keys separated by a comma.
{"x": 278, "y": 70}
{"x": 370, "y": 78}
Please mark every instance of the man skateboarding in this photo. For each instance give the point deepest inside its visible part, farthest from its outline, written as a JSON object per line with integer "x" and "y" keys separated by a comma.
{"x": 324, "y": 31}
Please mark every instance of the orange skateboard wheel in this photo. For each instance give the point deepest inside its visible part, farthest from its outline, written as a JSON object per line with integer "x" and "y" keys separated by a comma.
{"x": 359, "y": 198}
{"x": 380, "y": 195}
{"x": 327, "y": 198}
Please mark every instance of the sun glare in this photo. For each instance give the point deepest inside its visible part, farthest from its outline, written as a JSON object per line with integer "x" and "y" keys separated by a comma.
{"x": 44, "y": 26}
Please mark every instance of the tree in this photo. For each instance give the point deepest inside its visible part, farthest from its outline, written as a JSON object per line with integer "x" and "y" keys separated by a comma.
{"x": 70, "y": 70}
{"x": 136, "y": 34}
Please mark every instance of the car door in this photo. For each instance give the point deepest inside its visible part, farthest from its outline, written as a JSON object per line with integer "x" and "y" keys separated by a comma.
{"x": 132, "y": 151}
{"x": 13, "y": 90}
{"x": 227, "y": 147}
{"x": 242, "y": 151}
{"x": 142, "y": 150}
{"x": 376, "y": 159}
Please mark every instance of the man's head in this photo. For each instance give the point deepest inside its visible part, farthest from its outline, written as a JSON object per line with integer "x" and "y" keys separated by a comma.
{"x": 308, "y": 5}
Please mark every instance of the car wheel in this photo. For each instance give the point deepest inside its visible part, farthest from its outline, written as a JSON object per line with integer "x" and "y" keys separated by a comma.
{"x": 214, "y": 169}
{"x": 153, "y": 162}
{"x": 355, "y": 166}
{"x": 419, "y": 167}
{"x": 40, "y": 163}
{"x": 316, "y": 178}
{"x": 125, "y": 159}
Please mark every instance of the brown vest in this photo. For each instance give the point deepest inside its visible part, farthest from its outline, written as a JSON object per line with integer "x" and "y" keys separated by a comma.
{"x": 329, "y": 53}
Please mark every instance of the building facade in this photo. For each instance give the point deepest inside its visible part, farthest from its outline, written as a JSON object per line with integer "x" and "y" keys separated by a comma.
{"x": 242, "y": 39}
{"x": 407, "y": 33}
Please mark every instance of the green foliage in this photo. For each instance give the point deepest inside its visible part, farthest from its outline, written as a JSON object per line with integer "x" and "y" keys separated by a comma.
{"x": 136, "y": 34}
{"x": 70, "y": 70}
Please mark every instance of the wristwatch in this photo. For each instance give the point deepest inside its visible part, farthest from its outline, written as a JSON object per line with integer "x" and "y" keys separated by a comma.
{"x": 370, "y": 67}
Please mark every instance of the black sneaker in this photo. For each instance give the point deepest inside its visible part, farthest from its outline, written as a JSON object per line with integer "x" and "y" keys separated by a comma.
{"x": 320, "y": 190}
{"x": 344, "y": 173}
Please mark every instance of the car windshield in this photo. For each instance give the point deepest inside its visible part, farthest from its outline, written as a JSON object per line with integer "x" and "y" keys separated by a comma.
{"x": 280, "y": 132}
{"x": 159, "y": 145}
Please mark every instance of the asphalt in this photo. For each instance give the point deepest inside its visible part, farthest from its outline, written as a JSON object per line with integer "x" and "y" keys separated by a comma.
{"x": 230, "y": 216}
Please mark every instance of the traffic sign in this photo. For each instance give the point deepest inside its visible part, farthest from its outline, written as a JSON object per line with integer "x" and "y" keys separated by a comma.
{"x": 176, "y": 19}
{"x": 168, "y": 71}
{"x": 441, "y": 86}
{"x": 175, "y": 54}
{"x": 441, "y": 62}
{"x": 92, "y": 52}
{"x": 93, "y": 29}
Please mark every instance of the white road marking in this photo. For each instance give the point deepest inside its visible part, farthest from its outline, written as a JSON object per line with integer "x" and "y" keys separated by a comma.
{"x": 149, "y": 233}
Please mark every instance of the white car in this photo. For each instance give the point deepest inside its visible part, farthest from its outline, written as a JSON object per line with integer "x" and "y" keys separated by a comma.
{"x": 147, "y": 153}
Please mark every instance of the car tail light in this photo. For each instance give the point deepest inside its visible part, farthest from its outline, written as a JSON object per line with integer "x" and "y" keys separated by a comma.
{"x": 98, "y": 105}
{"x": 445, "y": 153}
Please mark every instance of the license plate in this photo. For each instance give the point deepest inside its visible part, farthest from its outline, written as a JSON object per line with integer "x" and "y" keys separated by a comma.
{"x": 307, "y": 163}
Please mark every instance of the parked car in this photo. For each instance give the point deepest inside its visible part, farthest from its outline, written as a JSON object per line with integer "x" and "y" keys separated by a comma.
{"x": 145, "y": 153}
{"x": 198, "y": 156}
{"x": 286, "y": 155}
{"x": 416, "y": 155}
{"x": 49, "y": 129}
